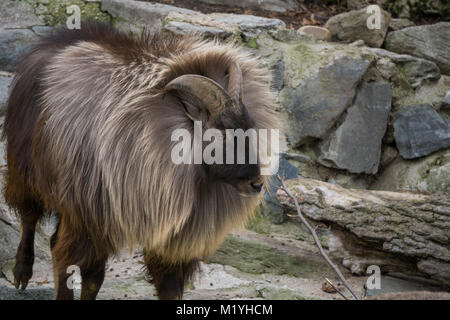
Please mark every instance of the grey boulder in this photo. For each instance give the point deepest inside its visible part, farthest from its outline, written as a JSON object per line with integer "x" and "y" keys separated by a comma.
{"x": 353, "y": 25}
{"x": 270, "y": 5}
{"x": 356, "y": 144}
{"x": 13, "y": 44}
{"x": 17, "y": 15}
{"x": 431, "y": 42}
{"x": 271, "y": 207}
{"x": 416, "y": 70}
{"x": 419, "y": 130}
{"x": 321, "y": 99}
{"x": 446, "y": 102}
{"x": 140, "y": 14}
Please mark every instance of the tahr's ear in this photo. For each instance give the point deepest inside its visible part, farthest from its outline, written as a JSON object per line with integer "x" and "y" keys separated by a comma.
{"x": 203, "y": 98}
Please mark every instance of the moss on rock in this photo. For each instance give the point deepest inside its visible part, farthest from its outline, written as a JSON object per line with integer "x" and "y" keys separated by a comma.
{"x": 256, "y": 258}
{"x": 54, "y": 12}
{"x": 428, "y": 174}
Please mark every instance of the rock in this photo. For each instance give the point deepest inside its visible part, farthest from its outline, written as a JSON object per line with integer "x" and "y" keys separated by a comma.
{"x": 434, "y": 267}
{"x": 271, "y": 208}
{"x": 318, "y": 33}
{"x": 353, "y": 25}
{"x": 54, "y": 12}
{"x": 431, "y": 93}
{"x": 5, "y": 82}
{"x": 349, "y": 181}
{"x": 429, "y": 174}
{"x": 446, "y": 102}
{"x": 417, "y": 9}
{"x": 273, "y": 211}
{"x": 13, "y": 44}
{"x": 419, "y": 130}
{"x": 269, "y": 5}
{"x": 398, "y": 24}
{"x": 278, "y": 75}
{"x": 428, "y": 41}
{"x": 416, "y": 70}
{"x": 356, "y": 143}
{"x": 139, "y": 14}
{"x": 388, "y": 155}
{"x": 357, "y": 43}
{"x": 398, "y": 231}
{"x": 135, "y": 15}
{"x": 17, "y": 15}
{"x": 42, "y": 30}
{"x": 250, "y": 26}
{"x": 288, "y": 35}
{"x": 321, "y": 99}
{"x": 178, "y": 27}
{"x": 303, "y": 158}
{"x": 413, "y": 295}
{"x": 359, "y": 4}
{"x": 390, "y": 284}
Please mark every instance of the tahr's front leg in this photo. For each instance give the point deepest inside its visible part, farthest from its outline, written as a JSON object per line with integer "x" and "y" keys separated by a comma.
{"x": 169, "y": 278}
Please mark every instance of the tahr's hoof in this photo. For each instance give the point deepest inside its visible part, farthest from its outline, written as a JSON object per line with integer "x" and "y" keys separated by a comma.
{"x": 22, "y": 274}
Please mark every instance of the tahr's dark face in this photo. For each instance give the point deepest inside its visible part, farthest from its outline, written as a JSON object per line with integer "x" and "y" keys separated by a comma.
{"x": 240, "y": 166}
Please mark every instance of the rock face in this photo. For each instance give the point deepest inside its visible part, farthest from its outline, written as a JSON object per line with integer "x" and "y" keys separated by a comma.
{"x": 270, "y": 5}
{"x": 278, "y": 75}
{"x": 271, "y": 207}
{"x": 135, "y": 15}
{"x": 418, "y": 8}
{"x": 398, "y": 24}
{"x": 397, "y": 231}
{"x": 5, "y": 82}
{"x": 318, "y": 33}
{"x": 222, "y": 24}
{"x": 446, "y": 102}
{"x": 13, "y": 44}
{"x": 404, "y": 290}
{"x": 139, "y": 14}
{"x": 359, "y": 4}
{"x": 429, "y": 174}
{"x": 320, "y": 100}
{"x": 17, "y": 15}
{"x": 419, "y": 130}
{"x": 353, "y": 25}
{"x": 178, "y": 27}
{"x": 429, "y": 42}
{"x": 416, "y": 70}
{"x": 356, "y": 143}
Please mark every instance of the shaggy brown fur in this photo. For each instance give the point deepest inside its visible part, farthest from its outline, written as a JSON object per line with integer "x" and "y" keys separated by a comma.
{"x": 88, "y": 129}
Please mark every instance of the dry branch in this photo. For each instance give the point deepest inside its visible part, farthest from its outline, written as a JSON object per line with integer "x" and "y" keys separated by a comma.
{"x": 316, "y": 238}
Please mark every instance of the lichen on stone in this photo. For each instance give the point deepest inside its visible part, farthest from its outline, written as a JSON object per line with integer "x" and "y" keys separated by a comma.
{"x": 54, "y": 12}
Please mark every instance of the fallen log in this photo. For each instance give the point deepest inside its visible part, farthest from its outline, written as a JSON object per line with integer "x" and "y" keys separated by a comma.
{"x": 398, "y": 231}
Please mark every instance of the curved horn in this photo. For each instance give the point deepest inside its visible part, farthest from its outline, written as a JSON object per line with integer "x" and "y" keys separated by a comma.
{"x": 235, "y": 82}
{"x": 199, "y": 89}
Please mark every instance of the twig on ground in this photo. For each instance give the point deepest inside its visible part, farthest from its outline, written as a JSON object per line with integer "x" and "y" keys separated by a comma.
{"x": 316, "y": 238}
